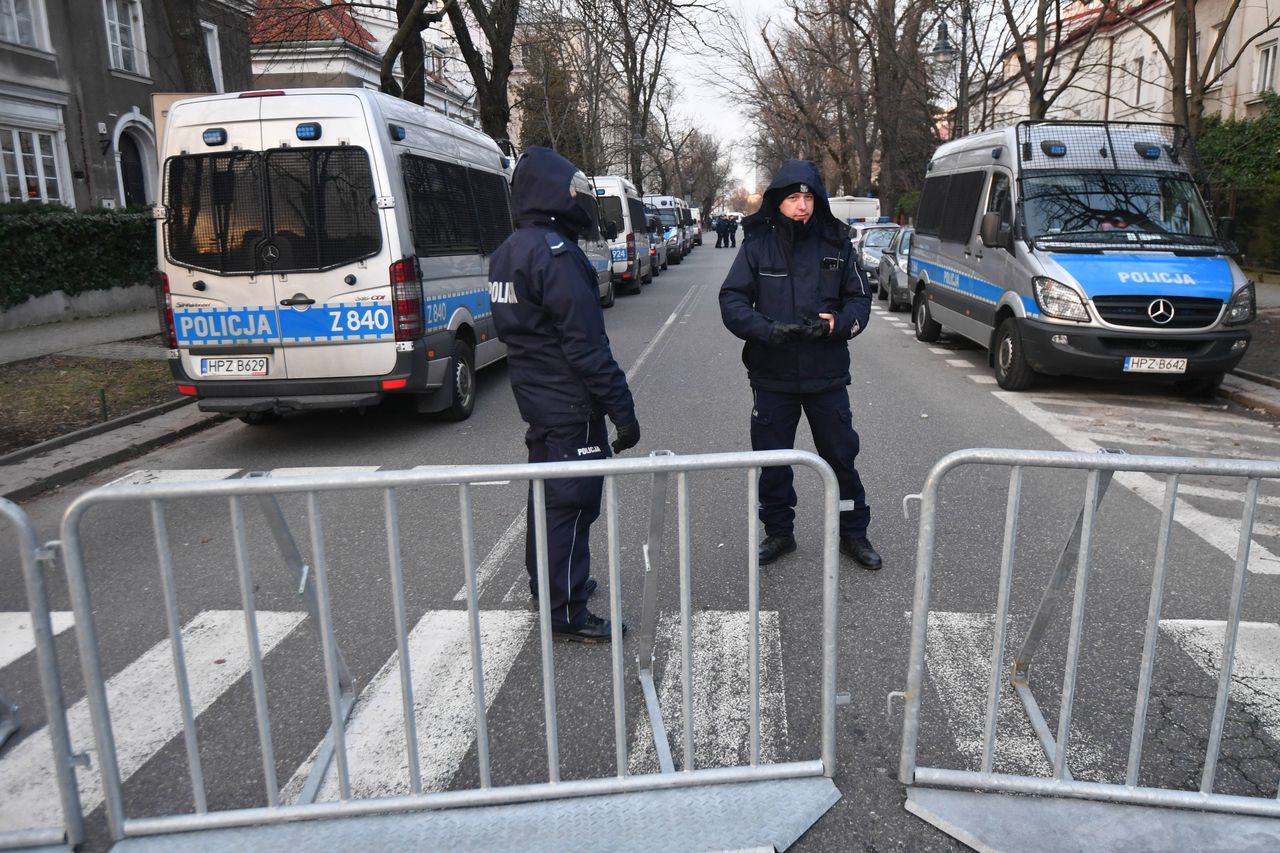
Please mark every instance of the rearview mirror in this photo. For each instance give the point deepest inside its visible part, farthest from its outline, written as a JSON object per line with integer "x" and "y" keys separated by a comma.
{"x": 989, "y": 231}
{"x": 1226, "y": 227}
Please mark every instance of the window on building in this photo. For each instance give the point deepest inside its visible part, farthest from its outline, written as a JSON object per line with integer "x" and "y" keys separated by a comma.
{"x": 1267, "y": 67}
{"x": 125, "y": 35}
{"x": 1137, "y": 80}
{"x": 28, "y": 167}
{"x": 1221, "y": 58}
{"x": 17, "y": 22}
{"x": 210, "y": 33}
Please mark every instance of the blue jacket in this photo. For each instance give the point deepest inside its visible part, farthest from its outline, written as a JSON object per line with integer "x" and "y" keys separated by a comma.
{"x": 789, "y": 273}
{"x": 546, "y": 304}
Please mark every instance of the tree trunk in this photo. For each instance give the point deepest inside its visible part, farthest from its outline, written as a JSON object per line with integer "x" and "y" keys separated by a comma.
{"x": 1182, "y": 34}
{"x": 188, "y": 46}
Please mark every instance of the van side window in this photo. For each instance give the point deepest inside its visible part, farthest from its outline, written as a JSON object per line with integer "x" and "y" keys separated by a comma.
{"x": 929, "y": 215}
{"x": 961, "y": 209}
{"x": 493, "y": 208}
{"x": 636, "y": 208}
{"x": 999, "y": 199}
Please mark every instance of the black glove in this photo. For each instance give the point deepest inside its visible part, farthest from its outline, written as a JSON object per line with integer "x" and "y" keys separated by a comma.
{"x": 815, "y": 329}
{"x": 785, "y": 333}
{"x": 628, "y": 436}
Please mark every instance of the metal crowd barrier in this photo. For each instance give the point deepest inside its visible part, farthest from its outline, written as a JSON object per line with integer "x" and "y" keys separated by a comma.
{"x": 34, "y": 557}
{"x": 1075, "y": 554}
{"x": 313, "y": 582}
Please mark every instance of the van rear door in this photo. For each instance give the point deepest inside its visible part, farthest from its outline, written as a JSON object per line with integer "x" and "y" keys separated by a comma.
{"x": 328, "y": 255}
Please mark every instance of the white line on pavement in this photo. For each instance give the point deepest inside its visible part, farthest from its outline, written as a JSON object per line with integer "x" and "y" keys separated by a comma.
{"x": 1255, "y": 672}
{"x": 721, "y": 701}
{"x": 17, "y": 637}
{"x": 940, "y": 351}
{"x": 444, "y": 706}
{"x": 961, "y": 362}
{"x": 145, "y": 713}
{"x": 982, "y": 378}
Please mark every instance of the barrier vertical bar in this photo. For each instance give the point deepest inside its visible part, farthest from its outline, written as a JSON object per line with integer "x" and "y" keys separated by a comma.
{"x": 1077, "y": 624}
{"x": 615, "y": 621}
{"x": 255, "y": 651}
{"x": 1153, "y": 629}
{"x": 686, "y": 615}
{"x": 544, "y": 626}
{"x": 164, "y": 555}
{"x": 473, "y": 626}
{"x": 329, "y": 646}
{"x": 919, "y": 628}
{"x": 394, "y": 559}
{"x": 830, "y": 616}
{"x": 1002, "y": 615}
{"x": 753, "y": 610}
{"x": 1229, "y": 641}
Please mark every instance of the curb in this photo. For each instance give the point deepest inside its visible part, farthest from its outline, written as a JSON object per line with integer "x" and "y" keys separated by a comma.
{"x": 90, "y": 431}
{"x": 1254, "y": 394}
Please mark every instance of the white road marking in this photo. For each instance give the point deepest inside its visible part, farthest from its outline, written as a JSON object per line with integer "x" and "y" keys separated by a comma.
{"x": 145, "y": 713}
{"x": 193, "y": 475}
{"x": 982, "y": 378}
{"x": 721, "y": 700}
{"x": 444, "y": 706}
{"x": 1224, "y": 495}
{"x": 960, "y": 362}
{"x": 1221, "y": 533}
{"x": 1148, "y": 430}
{"x": 1142, "y": 409}
{"x": 907, "y": 331}
{"x": 1255, "y": 672}
{"x": 940, "y": 351}
{"x": 17, "y": 637}
{"x": 958, "y": 658}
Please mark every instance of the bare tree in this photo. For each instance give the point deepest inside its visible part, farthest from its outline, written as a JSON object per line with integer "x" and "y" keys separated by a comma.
{"x": 406, "y": 46}
{"x": 188, "y": 45}
{"x": 1046, "y": 67}
{"x": 490, "y": 70}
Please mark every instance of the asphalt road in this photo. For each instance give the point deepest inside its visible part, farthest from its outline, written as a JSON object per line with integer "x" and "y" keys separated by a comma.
{"x": 912, "y": 405}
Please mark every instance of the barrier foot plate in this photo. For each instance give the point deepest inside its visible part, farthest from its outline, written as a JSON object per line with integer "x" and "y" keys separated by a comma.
{"x": 990, "y": 822}
{"x": 756, "y": 816}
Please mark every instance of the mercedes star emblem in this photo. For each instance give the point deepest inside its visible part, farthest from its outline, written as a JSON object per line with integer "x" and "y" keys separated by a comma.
{"x": 1160, "y": 311}
{"x": 270, "y": 254}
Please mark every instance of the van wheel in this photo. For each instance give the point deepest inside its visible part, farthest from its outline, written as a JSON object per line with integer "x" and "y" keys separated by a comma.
{"x": 259, "y": 418}
{"x": 462, "y": 374}
{"x": 610, "y": 296}
{"x": 1201, "y": 386}
{"x": 648, "y": 279}
{"x": 927, "y": 329}
{"x": 1013, "y": 373}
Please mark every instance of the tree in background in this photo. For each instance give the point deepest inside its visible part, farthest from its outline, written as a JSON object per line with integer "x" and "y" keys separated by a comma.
{"x": 188, "y": 45}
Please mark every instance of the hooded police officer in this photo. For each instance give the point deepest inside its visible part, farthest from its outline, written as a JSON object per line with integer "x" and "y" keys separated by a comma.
{"x": 546, "y": 306}
{"x": 796, "y": 296}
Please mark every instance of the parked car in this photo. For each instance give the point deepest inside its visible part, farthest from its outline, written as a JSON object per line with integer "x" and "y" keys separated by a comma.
{"x": 893, "y": 279}
{"x": 869, "y": 246}
{"x": 657, "y": 245}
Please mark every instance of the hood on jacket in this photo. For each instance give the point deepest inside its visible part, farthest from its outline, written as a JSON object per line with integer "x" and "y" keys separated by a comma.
{"x": 795, "y": 172}
{"x": 540, "y": 191}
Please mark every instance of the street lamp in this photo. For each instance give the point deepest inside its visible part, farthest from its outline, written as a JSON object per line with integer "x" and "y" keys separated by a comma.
{"x": 945, "y": 53}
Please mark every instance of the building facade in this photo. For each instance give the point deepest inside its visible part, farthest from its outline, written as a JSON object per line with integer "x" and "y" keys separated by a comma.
{"x": 76, "y": 79}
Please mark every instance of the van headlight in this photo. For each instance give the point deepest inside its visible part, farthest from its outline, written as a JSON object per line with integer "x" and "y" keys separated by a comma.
{"x": 1242, "y": 308}
{"x": 1058, "y": 300}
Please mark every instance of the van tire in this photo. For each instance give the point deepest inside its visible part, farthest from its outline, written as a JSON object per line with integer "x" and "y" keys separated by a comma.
{"x": 462, "y": 376}
{"x": 1013, "y": 372}
{"x": 610, "y": 296}
{"x": 927, "y": 329}
{"x": 1201, "y": 386}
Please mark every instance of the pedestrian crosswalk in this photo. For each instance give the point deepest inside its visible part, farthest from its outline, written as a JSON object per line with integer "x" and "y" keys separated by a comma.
{"x": 17, "y": 637}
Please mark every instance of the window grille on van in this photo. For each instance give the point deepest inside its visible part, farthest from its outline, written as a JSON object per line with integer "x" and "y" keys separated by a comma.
{"x": 932, "y": 199}
{"x": 611, "y": 211}
{"x": 492, "y": 206}
{"x": 1105, "y": 146}
{"x": 1189, "y": 312}
{"x": 454, "y": 210}
{"x": 636, "y": 208}
{"x": 283, "y": 210}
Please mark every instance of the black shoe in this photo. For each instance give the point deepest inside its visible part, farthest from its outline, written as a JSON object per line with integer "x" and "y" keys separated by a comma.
{"x": 590, "y": 586}
{"x": 775, "y": 546}
{"x": 861, "y": 551}
{"x": 592, "y": 630}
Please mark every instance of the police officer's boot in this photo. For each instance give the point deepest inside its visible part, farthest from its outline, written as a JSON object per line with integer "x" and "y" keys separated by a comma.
{"x": 859, "y": 548}
{"x": 775, "y": 546}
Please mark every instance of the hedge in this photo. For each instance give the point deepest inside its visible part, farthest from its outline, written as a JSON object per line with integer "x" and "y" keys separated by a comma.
{"x": 48, "y": 248}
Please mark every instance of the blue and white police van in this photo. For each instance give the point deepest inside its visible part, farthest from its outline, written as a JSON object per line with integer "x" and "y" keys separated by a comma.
{"x": 325, "y": 249}
{"x": 675, "y": 233}
{"x": 1081, "y": 248}
{"x": 622, "y": 214}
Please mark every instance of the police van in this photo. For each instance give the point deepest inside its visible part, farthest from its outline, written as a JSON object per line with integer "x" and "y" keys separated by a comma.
{"x": 673, "y": 212}
{"x": 1082, "y": 248}
{"x": 622, "y": 213}
{"x": 595, "y": 243}
{"x": 325, "y": 249}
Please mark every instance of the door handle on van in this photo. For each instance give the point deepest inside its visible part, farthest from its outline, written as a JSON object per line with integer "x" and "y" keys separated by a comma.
{"x": 297, "y": 300}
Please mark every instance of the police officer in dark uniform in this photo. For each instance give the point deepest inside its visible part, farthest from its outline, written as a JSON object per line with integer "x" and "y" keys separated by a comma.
{"x": 547, "y": 310}
{"x": 796, "y": 296}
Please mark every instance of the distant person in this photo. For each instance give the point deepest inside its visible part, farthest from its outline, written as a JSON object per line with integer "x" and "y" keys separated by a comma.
{"x": 546, "y": 306}
{"x": 796, "y": 296}
{"x": 722, "y": 233}
{"x": 733, "y": 233}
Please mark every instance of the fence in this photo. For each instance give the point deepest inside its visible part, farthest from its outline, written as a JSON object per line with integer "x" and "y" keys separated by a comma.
{"x": 967, "y": 815}
{"x": 61, "y": 759}
{"x": 785, "y": 801}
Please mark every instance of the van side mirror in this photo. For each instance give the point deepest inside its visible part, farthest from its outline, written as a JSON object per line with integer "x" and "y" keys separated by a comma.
{"x": 1226, "y": 227}
{"x": 610, "y": 230}
{"x": 989, "y": 231}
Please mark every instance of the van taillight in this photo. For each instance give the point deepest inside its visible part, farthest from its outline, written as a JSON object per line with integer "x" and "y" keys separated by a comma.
{"x": 406, "y": 299}
{"x": 164, "y": 305}
{"x": 631, "y": 246}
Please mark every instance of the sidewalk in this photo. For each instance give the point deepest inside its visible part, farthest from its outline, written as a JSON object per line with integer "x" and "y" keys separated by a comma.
{"x": 1256, "y": 384}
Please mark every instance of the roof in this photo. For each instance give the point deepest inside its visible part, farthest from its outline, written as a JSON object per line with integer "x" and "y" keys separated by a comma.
{"x": 279, "y": 21}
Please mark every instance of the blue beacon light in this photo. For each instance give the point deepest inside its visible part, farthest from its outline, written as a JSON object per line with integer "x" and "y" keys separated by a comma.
{"x": 308, "y": 131}
{"x": 215, "y": 136}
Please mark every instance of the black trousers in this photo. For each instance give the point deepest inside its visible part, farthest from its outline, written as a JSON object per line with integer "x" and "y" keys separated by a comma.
{"x": 733, "y": 238}
{"x": 572, "y": 505}
{"x": 719, "y": 239}
{"x": 774, "y": 419}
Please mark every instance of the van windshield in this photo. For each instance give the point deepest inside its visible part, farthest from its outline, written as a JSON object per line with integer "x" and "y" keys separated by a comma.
{"x": 1116, "y": 208}
{"x": 668, "y": 216}
{"x": 283, "y": 210}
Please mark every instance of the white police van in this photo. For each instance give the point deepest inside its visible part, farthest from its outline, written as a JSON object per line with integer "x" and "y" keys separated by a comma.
{"x": 595, "y": 243}
{"x": 326, "y": 248}
{"x": 1082, "y": 248}
{"x": 622, "y": 213}
{"x": 673, "y": 212}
